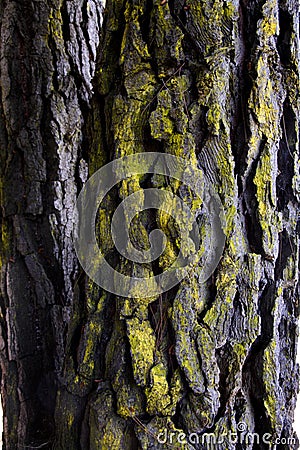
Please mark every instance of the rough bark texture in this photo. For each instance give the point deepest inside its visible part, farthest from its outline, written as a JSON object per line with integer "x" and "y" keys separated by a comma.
{"x": 215, "y": 81}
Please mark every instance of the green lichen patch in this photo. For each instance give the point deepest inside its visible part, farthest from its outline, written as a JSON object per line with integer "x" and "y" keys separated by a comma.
{"x": 183, "y": 317}
{"x": 264, "y": 181}
{"x": 55, "y": 24}
{"x": 270, "y": 383}
{"x": 218, "y": 316}
{"x": 107, "y": 430}
{"x": 158, "y": 398}
{"x": 142, "y": 347}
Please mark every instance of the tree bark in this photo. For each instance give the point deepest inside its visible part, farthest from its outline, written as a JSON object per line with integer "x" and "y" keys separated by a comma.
{"x": 212, "y": 82}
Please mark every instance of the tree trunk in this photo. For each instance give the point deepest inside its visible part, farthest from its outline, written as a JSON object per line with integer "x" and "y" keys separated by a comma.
{"x": 212, "y": 82}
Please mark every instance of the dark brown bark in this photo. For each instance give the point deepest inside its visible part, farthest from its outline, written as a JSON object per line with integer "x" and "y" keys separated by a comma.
{"x": 217, "y": 81}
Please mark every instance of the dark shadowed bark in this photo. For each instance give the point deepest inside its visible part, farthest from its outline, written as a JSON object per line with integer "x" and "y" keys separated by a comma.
{"x": 216, "y": 83}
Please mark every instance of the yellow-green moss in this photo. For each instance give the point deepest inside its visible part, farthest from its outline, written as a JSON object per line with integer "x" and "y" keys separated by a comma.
{"x": 107, "y": 431}
{"x": 168, "y": 38}
{"x": 132, "y": 37}
{"x": 158, "y": 398}
{"x": 55, "y": 24}
{"x": 142, "y": 347}
{"x": 182, "y": 320}
{"x": 266, "y": 198}
{"x": 5, "y": 239}
{"x": 213, "y": 118}
{"x": 266, "y": 108}
{"x": 268, "y": 25}
{"x": 270, "y": 382}
{"x": 130, "y": 400}
{"x": 160, "y": 123}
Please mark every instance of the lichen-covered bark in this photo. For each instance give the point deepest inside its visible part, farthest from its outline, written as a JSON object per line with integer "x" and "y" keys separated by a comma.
{"x": 216, "y": 83}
